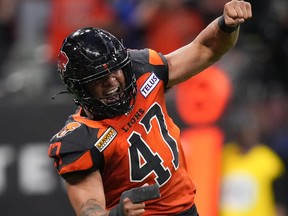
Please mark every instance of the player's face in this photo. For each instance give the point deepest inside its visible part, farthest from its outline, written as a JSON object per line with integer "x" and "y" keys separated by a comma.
{"x": 108, "y": 89}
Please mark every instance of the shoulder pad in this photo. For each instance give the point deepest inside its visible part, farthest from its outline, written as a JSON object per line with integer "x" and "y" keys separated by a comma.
{"x": 73, "y": 149}
{"x": 147, "y": 61}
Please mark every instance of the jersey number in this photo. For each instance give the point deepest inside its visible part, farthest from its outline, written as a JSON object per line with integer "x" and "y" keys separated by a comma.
{"x": 143, "y": 161}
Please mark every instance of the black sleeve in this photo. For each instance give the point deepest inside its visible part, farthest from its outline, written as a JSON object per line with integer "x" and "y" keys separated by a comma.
{"x": 74, "y": 152}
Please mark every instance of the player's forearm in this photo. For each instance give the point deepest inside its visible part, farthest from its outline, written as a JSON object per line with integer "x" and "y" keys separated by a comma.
{"x": 92, "y": 208}
{"x": 207, "y": 48}
{"x": 216, "y": 40}
{"x": 222, "y": 34}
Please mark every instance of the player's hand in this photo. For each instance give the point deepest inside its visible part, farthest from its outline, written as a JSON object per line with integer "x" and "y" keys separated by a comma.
{"x": 133, "y": 209}
{"x": 132, "y": 201}
{"x": 236, "y": 12}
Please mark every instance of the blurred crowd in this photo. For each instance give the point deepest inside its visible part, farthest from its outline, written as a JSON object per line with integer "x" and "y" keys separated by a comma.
{"x": 31, "y": 33}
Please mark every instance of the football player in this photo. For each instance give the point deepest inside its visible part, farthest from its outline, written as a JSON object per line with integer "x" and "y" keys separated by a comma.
{"x": 121, "y": 138}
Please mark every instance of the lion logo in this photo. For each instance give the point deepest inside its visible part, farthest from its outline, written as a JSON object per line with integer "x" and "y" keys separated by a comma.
{"x": 68, "y": 128}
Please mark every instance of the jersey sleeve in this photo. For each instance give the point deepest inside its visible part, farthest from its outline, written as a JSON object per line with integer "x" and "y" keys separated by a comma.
{"x": 148, "y": 60}
{"x": 73, "y": 150}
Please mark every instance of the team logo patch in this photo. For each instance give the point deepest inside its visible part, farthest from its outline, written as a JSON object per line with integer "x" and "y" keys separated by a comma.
{"x": 68, "y": 128}
{"x": 149, "y": 85}
{"x": 62, "y": 61}
{"x": 106, "y": 139}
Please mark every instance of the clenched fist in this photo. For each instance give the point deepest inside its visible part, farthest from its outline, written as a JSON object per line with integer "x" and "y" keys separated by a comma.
{"x": 236, "y": 12}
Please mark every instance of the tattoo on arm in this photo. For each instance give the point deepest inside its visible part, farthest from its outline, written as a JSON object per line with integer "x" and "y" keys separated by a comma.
{"x": 91, "y": 208}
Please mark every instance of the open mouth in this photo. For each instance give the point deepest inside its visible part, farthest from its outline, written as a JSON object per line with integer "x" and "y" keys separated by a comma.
{"x": 113, "y": 91}
{"x": 112, "y": 96}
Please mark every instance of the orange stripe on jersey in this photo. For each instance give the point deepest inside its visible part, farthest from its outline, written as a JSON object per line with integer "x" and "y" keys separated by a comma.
{"x": 83, "y": 163}
{"x": 154, "y": 58}
{"x": 56, "y": 155}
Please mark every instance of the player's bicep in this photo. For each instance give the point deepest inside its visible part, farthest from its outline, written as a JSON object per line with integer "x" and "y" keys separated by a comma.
{"x": 86, "y": 192}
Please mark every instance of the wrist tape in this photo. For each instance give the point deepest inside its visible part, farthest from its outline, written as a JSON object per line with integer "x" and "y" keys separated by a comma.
{"x": 224, "y": 27}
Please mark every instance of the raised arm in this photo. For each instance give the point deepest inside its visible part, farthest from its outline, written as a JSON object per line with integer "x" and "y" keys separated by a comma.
{"x": 210, "y": 45}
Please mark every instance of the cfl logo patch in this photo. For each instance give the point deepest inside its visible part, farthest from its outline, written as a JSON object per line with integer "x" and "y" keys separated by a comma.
{"x": 149, "y": 85}
{"x": 106, "y": 138}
